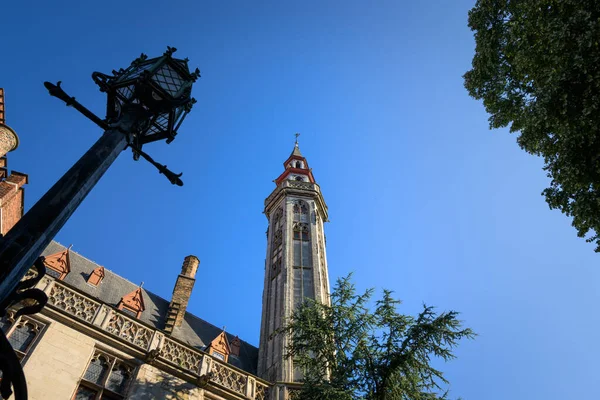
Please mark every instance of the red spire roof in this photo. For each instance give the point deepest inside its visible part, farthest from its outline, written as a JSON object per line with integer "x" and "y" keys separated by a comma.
{"x": 296, "y": 168}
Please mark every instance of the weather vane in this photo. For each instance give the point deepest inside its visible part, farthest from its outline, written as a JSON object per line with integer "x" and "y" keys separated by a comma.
{"x": 296, "y": 134}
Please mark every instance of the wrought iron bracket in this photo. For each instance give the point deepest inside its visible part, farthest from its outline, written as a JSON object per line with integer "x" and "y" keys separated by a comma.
{"x": 58, "y": 92}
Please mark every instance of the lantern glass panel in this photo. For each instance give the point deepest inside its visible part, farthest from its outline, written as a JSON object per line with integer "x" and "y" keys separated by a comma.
{"x": 126, "y": 92}
{"x": 159, "y": 125}
{"x": 180, "y": 114}
{"x": 168, "y": 79}
{"x": 136, "y": 71}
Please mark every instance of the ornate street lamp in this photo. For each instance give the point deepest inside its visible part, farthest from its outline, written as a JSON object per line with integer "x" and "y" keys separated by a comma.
{"x": 146, "y": 102}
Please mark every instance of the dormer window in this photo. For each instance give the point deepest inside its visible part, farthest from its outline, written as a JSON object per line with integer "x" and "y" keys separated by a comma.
{"x": 58, "y": 265}
{"x": 219, "y": 347}
{"x": 96, "y": 276}
{"x": 129, "y": 311}
{"x": 132, "y": 303}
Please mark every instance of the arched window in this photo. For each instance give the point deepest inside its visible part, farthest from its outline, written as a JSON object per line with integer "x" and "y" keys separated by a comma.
{"x": 117, "y": 382}
{"x": 301, "y": 211}
{"x": 277, "y": 240}
{"x": 302, "y": 253}
{"x": 299, "y": 178}
{"x": 106, "y": 377}
{"x": 97, "y": 369}
{"x": 21, "y": 333}
{"x": 298, "y": 164}
{"x": 22, "y": 336}
{"x": 277, "y": 219}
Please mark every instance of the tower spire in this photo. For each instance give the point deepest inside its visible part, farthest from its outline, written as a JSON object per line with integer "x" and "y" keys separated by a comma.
{"x": 296, "y": 263}
{"x": 296, "y": 151}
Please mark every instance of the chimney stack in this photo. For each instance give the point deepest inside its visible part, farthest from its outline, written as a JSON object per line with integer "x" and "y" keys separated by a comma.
{"x": 181, "y": 293}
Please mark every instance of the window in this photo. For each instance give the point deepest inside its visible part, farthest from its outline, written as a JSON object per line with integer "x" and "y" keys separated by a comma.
{"x": 129, "y": 312}
{"x": 133, "y": 303}
{"x": 301, "y": 211}
{"x": 277, "y": 241}
{"x": 96, "y": 276}
{"x": 53, "y": 273}
{"x": 58, "y": 265}
{"x": 106, "y": 378}
{"x": 218, "y": 355}
{"x": 302, "y": 255}
{"x": 22, "y": 333}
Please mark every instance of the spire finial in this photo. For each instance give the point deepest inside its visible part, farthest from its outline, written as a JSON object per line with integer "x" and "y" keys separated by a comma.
{"x": 296, "y": 134}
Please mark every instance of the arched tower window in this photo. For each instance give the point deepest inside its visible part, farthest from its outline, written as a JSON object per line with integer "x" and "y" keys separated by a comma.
{"x": 302, "y": 259}
{"x": 300, "y": 211}
{"x": 276, "y": 260}
{"x": 276, "y": 242}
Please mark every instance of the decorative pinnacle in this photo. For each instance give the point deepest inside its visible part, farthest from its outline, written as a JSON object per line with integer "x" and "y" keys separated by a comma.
{"x": 140, "y": 59}
{"x": 170, "y": 51}
{"x": 195, "y": 75}
{"x": 296, "y": 134}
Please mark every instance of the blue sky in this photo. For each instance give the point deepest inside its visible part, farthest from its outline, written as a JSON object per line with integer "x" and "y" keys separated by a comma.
{"x": 423, "y": 198}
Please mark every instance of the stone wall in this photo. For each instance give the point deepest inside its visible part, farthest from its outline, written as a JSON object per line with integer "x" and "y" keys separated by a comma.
{"x": 57, "y": 362}
{"x": 152, "y": 383}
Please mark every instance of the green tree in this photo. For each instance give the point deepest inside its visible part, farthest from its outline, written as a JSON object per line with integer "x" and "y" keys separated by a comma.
{"x": 346, "y": 351}
{"x": 537, "y": 69}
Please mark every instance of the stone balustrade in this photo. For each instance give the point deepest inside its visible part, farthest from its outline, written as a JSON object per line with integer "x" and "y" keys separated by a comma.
{"x": 293, "y": 185}
{"x": 150, "y": 340}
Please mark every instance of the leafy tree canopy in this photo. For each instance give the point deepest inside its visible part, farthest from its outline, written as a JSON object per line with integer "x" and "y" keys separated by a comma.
{"x": 537, "y": 69}
{"x": 347, "y": 352}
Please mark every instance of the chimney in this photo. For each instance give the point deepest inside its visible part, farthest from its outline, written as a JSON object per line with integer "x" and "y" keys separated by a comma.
{"x": 12, "y": 198}
{"x": 181, "y": 293}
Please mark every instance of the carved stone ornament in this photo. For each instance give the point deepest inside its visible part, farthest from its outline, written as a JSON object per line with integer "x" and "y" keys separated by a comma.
{"x": 204, "y": 380}
{"x": 152, "y": 355}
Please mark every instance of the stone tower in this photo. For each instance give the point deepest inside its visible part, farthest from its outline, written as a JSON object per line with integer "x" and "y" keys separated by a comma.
{"x": 12, "y": 193}
{"x": 296, "y": 264}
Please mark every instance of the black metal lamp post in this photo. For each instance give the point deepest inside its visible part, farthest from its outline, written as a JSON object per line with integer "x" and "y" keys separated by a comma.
{"x": 147, "y": 102}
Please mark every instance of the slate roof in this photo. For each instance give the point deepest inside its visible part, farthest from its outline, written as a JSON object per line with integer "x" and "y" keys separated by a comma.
{"x": 194, "y": 331}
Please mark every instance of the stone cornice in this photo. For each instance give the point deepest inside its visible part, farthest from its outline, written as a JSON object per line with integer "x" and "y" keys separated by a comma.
{"x": 297, "y": 188}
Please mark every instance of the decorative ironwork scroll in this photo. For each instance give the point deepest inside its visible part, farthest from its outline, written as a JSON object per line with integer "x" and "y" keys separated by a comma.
{"x": 32, "y": 300}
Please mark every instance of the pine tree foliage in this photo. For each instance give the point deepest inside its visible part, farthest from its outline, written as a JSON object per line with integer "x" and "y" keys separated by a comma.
{"x": 537, "y": 69}
{"x": 348, "y": 351}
